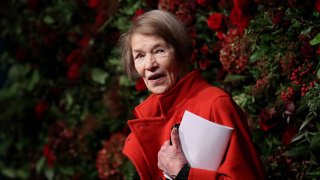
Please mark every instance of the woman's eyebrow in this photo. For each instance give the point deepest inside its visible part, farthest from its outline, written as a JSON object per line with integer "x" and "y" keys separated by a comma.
{"x": 136, "y": 51}
{"x": 157, "y": 45}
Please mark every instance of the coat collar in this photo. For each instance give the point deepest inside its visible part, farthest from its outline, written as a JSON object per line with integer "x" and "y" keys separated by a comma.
{"x": 161, "y": 105}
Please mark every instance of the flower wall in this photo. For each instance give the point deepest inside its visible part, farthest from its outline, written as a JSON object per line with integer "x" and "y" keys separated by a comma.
{"x": 65, "y": 101}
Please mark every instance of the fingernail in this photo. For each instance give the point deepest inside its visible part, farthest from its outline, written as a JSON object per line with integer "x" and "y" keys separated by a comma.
{"x": 175, "y": 131}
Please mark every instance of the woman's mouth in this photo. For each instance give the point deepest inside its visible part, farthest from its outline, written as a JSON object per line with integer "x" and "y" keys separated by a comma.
{"x": 155, "y": 77}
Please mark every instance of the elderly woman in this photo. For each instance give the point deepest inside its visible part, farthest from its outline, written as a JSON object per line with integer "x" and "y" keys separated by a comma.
{"x": 157, "y": 49}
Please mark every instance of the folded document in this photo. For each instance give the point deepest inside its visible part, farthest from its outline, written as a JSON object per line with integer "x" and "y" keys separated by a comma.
{"x": 203, "y": 142}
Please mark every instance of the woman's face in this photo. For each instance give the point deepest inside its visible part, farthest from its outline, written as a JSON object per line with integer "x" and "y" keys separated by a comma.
{"x": 154, "y": 61}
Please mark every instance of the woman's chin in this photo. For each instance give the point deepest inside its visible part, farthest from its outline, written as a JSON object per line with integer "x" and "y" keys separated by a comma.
{"x": 158, "y": 89}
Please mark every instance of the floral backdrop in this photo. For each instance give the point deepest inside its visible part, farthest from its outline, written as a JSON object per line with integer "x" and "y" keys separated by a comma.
{"x": 65, "y": 101}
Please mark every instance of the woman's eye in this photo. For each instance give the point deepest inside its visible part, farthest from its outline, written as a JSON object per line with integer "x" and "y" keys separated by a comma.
{"x": 159, "y": 51}
{"x": 138, "y": 56}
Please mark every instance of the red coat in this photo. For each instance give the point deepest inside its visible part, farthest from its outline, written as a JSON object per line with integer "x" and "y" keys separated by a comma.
{"x": 157, "y": 114}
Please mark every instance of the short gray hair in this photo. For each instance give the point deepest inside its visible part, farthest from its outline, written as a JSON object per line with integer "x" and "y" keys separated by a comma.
{"x": 165, "y": 25}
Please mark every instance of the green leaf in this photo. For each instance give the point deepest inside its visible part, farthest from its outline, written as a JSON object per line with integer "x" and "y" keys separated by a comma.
{"x": 99, "y": 75}
{"x": 315, "y": 142}
{"x": 40, "y": 164}
{"x": 267, "y": 37}
{"x": 34, "y": 80}
{"x": 298, "y": 150}
{"x": 125, "y": 81}
{"x": 255, "y": 56}
{"x": 18, "y": 71}
{"x": 67, "y": 170}
{"x": 318, "y": 73}
{"x": 15, "y": 173}
{"x": 48, "y": 20}
{"x": 299, "y": 136}
{"x": 130, "y": 10}
{"x": 69, "y": 100}
{"x": 49, "y": 172}
{"x": 309, "y": 118}
{"x": 315, "y": 173}
{"x": 22, "y": 173}
{"x": 315, "y": 40}
{"x": 8, "y": 172}
{"x": 122, "y": 23}
{"x": 233, "y": 78}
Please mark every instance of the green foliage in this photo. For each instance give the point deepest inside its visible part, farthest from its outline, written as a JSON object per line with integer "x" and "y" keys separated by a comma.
{"x": 64, "y": 99}
{"x": 61, "y": 82}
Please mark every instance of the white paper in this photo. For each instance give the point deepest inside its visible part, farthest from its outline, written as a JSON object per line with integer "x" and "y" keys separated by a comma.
{"x": 203, "y": 142}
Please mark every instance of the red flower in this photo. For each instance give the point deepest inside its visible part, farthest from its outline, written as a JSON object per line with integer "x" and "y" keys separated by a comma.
{"x": 221, "y": 35}
{"x": 74, "y": 72}
{"x": 167, "y": 5}
{"x": 239, "y": 19}
{"x": 204, "y": 64}
{"x": 110, "y": 158}
{"x": 201, "y": 2}
{"x": 266, "y": 120}
{"x": 204, "y": 49}
{"x": 287, "y": 136}
{"x": 49, "y": 155}
{"x": 40, "y": 108}
{"x": 317, "y": 5}
{"x": 101, "y": 17}
{"x": 138, "y": 13}
{"x": 93, "y": 3}
{"x": 232, "y": 56}
{"x": 74, "y": 56}
{"x": 239, "y": 14}
{"x": 84, "y": 42}
{"x": 184, "y": 13}
{"x": 241, "y": 4}
{"x": 215, "y": 21}
{"x": 140, "y": 85}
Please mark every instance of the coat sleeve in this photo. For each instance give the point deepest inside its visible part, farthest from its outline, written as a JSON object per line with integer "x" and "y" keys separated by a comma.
{"x": 241, "y": 160}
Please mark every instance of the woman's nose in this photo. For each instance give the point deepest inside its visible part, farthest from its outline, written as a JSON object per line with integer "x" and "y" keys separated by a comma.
{"x": 151, "y": 62}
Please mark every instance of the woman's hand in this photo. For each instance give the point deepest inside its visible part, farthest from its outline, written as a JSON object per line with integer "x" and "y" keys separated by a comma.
{"x": 170, "y": 157}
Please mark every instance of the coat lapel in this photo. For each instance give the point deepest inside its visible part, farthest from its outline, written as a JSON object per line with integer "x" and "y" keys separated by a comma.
{"x": 150, "y": 135}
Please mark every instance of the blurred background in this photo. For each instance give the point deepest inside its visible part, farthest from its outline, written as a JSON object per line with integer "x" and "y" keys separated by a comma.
{"x": 65, "y": 102}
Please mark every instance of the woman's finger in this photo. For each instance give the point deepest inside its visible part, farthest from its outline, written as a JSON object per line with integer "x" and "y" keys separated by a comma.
{"x": 175, "y": 138}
